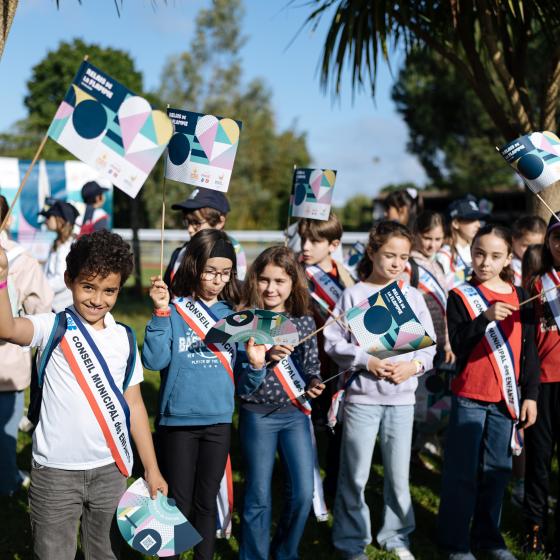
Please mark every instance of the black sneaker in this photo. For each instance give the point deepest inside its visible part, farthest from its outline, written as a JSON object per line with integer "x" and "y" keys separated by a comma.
{"x": 534, "y": 541}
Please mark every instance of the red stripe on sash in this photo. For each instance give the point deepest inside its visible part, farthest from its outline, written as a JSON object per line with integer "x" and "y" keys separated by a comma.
{"x": 94, "y": 406}
{"x": 293, "y": 398}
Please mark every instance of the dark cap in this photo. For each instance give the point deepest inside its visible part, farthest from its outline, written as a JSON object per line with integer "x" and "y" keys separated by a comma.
{"x": 63, "y": 210}
{"x": 92, "y": 189}
{"x": 553, "y": 223}
{"x": 465, "y": 209}
{"x": 204, "y": 198}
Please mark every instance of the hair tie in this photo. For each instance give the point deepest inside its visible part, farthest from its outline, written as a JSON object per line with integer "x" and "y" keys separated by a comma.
{"x": 223, "y": 249}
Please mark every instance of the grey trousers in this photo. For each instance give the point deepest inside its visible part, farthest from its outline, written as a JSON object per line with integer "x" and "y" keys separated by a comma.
{"x": 58, "y": 499}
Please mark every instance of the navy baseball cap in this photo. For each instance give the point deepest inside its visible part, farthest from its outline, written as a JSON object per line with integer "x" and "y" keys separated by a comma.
{"x": 204, "y": 198}
{"x": 92, "y": 189}
{"x": 466, "y": 209}
{"x": 553, "y": 223}
{"x": 63, "y": 210}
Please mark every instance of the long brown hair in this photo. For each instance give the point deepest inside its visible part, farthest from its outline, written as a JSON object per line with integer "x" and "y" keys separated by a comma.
{"x": 378, "y": 236}
{"x": 186, "y": 281}
{"x": 64, "y": 231}
{"x": 297, "y": 303}
{"x": 505, "y": 235}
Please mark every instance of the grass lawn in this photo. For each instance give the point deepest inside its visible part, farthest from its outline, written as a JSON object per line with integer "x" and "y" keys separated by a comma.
{"x": 15, "y": 537}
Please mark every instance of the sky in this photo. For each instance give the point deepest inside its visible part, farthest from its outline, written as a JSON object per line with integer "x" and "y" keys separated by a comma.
{"x": 363, "y": 139}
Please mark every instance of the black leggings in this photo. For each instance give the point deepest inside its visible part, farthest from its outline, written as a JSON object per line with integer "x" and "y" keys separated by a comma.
{"x": 193, "y": 461}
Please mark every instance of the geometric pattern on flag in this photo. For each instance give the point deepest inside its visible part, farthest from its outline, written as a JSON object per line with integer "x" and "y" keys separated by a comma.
{"x": 312, "y": 189}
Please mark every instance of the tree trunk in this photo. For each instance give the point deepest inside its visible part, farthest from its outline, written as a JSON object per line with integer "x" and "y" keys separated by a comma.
{"x": 7, "y": 12}
{"x": 551, "y": 196}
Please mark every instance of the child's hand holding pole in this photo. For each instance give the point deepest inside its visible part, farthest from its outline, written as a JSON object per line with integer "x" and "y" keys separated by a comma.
{"x": 159, "y": 293}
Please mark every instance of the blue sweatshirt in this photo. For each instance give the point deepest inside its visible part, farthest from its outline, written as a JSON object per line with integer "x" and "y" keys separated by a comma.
{"x": 196, "y": 389}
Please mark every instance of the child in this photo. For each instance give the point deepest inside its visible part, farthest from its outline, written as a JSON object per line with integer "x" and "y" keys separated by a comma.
{"x": 203, "y": 209}
{"x": 268, "y": 422}
{"x": 403, "y": 206}
{"x": 81, "y": 449}
{"x": 197, "y": 381}
{"x": 455, "y": 258}
{"x": 493, "y": 340}
{"x": 423, "y": 272}
{"x": 527, "y": 230}
{"x": 380, "y": 400}
{"x": 95, "y": 218}
{"x": 60, "y": 218}
{"x": 29, "y": 293}
{"x": 543, "y": 437}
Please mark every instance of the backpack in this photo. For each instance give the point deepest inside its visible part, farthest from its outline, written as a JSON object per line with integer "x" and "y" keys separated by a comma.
{"x": 38, "y": 369}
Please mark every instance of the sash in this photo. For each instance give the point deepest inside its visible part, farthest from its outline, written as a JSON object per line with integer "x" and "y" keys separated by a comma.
{"x": 104, "y": 397}
{"x": 319, "y": 505}
{"x": 324, "y": 289}
{"x": 516, "y": 267}
{"x": 459, "y": 270}
{"x": 428, "y": 284}
{"x": 177, "y": 262}
{"x": 200, "y": 319}
{"x": 549, "y": 280}
{"x": 500, "y": 354}
{"x": 293, "y": 384}
{"x": 225, "y": 503}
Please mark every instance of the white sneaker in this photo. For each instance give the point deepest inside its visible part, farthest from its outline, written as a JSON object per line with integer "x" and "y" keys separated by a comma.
{"x": 402, "y": 553}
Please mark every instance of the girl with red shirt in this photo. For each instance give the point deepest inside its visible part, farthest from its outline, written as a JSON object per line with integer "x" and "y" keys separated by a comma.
{"x": 545, "y": 434}
{"x": 493, "y": 340}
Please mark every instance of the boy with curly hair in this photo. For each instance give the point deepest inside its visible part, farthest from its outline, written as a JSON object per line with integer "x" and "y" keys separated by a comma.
{"x": 90, "y": 402}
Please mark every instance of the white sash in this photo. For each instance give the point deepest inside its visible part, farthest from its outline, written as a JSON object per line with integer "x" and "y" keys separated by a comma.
{"x": 326, "y": 290}
{"x": 500, "y": 354}
{"x": 549, "y": 280}
{"x": 225, "y": 503}
{"x": 200, "y": 319}
{"x": 428, "y": 284}
{"x": 516, "y": 267}
{"x": 104, "y": 397}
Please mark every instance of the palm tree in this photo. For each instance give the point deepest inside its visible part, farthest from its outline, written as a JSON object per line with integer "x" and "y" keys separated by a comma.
{"x": 507, "y": 50}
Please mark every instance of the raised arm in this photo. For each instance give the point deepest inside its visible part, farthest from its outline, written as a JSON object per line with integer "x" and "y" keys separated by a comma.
{"x": 15, "y": 330}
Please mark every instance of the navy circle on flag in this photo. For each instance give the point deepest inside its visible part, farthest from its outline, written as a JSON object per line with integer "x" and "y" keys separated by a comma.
{"x": 530, "y": 166}
{"x": 89, "y": 119}
{"x": 299, "y": 195}
{"x": 179, "y": 148}
{"x": 377, "y": 319}
{"x": 147, "y": 541}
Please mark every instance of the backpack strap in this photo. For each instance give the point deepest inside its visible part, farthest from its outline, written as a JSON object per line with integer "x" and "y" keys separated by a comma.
{"x": 131, "y": 361}
{"x": 414, "y": 274}
{"x": 57, "y": 334}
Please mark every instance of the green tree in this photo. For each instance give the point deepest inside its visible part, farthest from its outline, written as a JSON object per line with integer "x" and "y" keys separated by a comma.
{"x": 489, "y": 42}
{"x": 356, "y": 214}
{"x": 208, "y": 78}
{"x": 448, "y": 127}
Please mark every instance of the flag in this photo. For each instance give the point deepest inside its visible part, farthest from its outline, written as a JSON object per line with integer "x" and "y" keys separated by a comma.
{"x": 312, "y": 191}
{"x": 110, "y": 128}
{"x": 202, "y": 150}
{"x": 536, "y": 158}
{"x": 385, "y": 324}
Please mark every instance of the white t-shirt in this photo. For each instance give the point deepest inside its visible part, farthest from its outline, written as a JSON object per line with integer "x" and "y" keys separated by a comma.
{"x": 67, "y": 435}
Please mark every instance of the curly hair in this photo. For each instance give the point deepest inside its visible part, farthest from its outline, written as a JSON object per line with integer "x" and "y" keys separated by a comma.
{"x": 100, "y": 253}
{"x": 186, "y": 281}
{"x": 297, "y": 303}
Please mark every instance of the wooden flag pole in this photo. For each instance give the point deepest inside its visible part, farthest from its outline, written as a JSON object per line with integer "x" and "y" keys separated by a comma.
{"x": 540, "y": 198}
{"x": 327, "y": 323}
{"x": 24, "y": 180}
{"x": 289, "y": 216}
{"x": 539, "y": 295}
{"x": 163, "y": 212}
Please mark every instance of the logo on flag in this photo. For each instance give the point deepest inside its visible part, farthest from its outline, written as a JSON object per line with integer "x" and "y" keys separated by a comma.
{"x": 110, "y": 128}
{"x": 312, "y": 191}
{"x": 536, "y": 158}
{"x": 202, "y": 150}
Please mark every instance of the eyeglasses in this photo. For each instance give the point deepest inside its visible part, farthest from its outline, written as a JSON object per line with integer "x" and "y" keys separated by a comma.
{"x": 195, "y": 224}
{"x": 211, "y": 275}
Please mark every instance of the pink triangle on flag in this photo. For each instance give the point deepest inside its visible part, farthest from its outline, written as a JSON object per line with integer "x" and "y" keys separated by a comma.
{"x": 64, "y": 109}
{"x": 404, "y": 338}
{"x": 144, "y": 160}
{"x": 130, "y": 127}
{"x": 206, "y": 140}
{"x": 315, "y": 183}
{"x": 226, "y": 159}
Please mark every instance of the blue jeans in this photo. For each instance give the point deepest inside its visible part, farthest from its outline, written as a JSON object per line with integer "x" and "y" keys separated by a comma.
{"x": 360, "y": 427}
{"x": 11, "y": 411}
{"x": 476, "y": 471}
{"x": 261, "y": 435}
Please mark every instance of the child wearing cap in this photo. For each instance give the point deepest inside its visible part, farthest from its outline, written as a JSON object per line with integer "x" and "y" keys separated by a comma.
{"x": 29, "y": 293}
{"x": 527, "y": 230}
{"x": 94, "y": 218}
{"x": 455, "y": 257}
{"x": 60, "y": 218}
{"x": 203, "y": 209}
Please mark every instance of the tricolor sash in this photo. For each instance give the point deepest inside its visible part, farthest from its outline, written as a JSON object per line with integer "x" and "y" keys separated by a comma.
{"x": 201, "y": 319}
{"x": 500, "y": 354}
{"x": 95, "y": 380}
{"x": 324, "y": 289}
{"x": 428, "y": 284}
{"x": 459, "y": 270}
{"x": 549, "y": 280}
{"x": 516, "y": 267}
